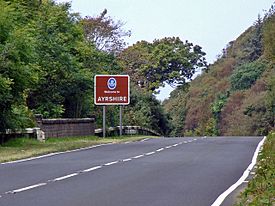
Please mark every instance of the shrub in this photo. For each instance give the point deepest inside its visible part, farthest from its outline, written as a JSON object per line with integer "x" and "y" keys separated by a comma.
{"x": 246, "y": 75}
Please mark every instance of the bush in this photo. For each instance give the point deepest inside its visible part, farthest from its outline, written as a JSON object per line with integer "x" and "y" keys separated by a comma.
{"x": 260, "y": 190}
{"x": 246, "y": 75}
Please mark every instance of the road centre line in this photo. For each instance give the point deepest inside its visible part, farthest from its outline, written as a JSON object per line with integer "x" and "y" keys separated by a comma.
{"x": 82, "y": 171}
{"x": 110, "y": 163}
{"x": 126, "y": 160}
{"x": 92, "y": 169}
{"x": 150, "y": 153}
{"x": 138, "y": 156}
{"x": 65, "y": 177}
{"x": 65, "y": 152}
{"x": 27, "y": 188}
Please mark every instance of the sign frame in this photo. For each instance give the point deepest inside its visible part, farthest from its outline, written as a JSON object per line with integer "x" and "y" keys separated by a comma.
{"x": 110, "y": 89}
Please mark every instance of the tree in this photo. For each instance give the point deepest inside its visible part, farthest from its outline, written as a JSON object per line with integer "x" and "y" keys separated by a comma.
{"x": 64, "y": 80}
{"x": 107, "y": 34}
{"x": 270, "y": 101}
{"x": 175, "y": 106}
{"x": 17, "y": 66}
{"x": 167, "y": 60}
{"x": 145, "y": 110}
{"x": 269, "y": 36}
{"x": 255, "y": 46}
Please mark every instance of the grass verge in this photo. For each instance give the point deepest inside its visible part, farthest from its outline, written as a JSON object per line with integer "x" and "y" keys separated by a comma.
{"x": 21, "y": 148}
{"x": 261, "y": 189}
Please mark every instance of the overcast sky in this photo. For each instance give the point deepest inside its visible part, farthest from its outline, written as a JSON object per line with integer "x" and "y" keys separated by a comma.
{"x": 208, "y": 23}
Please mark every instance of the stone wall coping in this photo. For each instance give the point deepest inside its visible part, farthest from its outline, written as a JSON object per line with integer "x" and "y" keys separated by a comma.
{"x": 67, "y": 120}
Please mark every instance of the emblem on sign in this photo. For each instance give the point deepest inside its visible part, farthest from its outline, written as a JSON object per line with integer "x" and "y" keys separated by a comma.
{"x": 111, "y": 83}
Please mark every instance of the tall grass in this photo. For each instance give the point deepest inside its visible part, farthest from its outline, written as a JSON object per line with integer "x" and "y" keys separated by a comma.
{"x": 261, "y": 189}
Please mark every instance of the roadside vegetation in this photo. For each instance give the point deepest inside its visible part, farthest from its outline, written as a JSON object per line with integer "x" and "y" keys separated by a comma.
{"x": 20, "y": 148}
{"x": 261, "y": 189}
{"x": 49, "y": 56}
{"x": 237, "y": 95}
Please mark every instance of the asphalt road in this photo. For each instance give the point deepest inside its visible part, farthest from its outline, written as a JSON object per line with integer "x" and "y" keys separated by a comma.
{"x": 155, "y": 172}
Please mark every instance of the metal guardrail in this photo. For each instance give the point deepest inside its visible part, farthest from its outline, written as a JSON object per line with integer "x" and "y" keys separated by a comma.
{"x": 127, "y": 130}
{"x": 112, "y": 131}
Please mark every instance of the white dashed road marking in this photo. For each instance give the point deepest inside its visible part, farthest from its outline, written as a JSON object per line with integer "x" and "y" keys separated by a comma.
{"x": 27, "y": 188}
{"x": 138, "y": 156}
{"x": 150, "y": 153}
{"x": 92, "y": 169}
{"x": 65, "y": 177}
{"x": 86, "y": 170}
{"x": 126, "y": 160}
{"x": 110, "y": 163}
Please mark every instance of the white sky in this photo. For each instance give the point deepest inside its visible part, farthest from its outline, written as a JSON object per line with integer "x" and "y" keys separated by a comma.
{"x": 208, "y": 23}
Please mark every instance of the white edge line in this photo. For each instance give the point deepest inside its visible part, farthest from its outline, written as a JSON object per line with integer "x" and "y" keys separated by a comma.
{"x": 28, "y": 188}
{"x": 65, "y": 177}
{"x": 221, "y": 198}
{"x": 58, "y": 153}
{"x": 92, "y": 169}
{"x": 144, "y": 139}
{"x": 55, "y": 153}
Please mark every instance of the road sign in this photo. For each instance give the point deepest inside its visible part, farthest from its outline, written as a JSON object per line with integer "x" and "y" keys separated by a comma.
{"x": 112, "y": 90}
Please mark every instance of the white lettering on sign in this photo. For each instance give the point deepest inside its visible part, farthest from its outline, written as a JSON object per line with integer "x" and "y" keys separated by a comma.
{"x": 112, "y": 99}
{"x": 110, "y": 92}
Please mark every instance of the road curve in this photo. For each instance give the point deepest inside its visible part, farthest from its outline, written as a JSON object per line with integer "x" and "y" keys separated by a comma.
{"x": 155, "y": 172}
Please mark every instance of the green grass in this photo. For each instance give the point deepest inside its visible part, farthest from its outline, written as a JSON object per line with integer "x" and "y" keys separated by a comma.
{"x": 20, "y": 148}
{"x": 261, "y": 189}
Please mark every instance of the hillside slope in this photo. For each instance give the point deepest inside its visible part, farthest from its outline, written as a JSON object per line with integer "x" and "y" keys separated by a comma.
{"x": 237, "y": 95}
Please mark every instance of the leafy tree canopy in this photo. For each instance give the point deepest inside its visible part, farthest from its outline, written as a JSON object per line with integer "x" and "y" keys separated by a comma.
{"x": 168, "y": 60}
{"x": 107, "y": 34}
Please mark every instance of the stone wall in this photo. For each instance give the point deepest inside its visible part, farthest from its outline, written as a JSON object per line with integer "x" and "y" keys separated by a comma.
{"x": 66, "y": 127}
